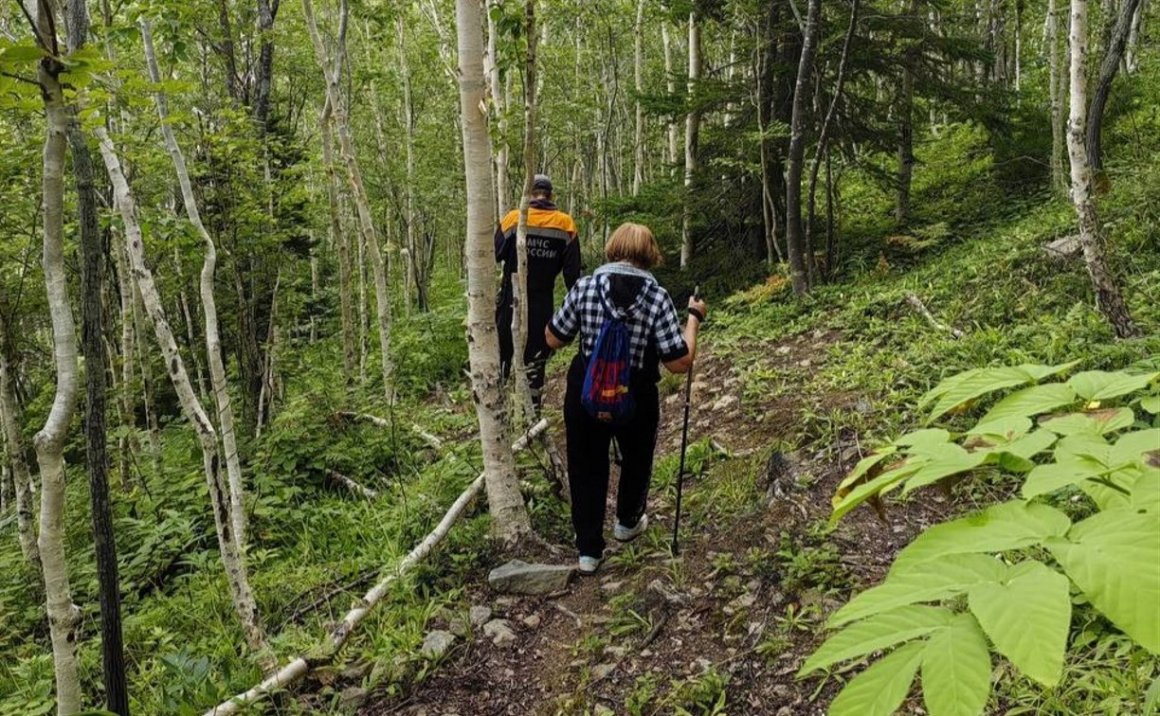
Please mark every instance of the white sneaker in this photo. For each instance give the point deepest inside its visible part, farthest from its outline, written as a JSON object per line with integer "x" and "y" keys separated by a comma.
{"x": 627, "y": 534}
{"x": 589, "y": 565}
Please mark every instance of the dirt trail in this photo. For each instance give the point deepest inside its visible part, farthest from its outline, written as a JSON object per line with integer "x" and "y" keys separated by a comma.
{"x": 725, "y": 627}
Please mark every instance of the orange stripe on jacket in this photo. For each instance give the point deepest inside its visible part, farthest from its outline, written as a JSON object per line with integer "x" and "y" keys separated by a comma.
{"x": 540, "y": 219}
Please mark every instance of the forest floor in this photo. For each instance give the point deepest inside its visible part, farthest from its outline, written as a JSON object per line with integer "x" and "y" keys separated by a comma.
{"x": 728, "y": 624}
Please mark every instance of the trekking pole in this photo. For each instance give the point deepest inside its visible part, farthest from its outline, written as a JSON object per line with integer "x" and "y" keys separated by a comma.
{"x": 676, "y": 548}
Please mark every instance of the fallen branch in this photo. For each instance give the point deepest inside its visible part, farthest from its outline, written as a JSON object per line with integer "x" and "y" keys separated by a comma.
{"x": 917, "y": 304}
{"x": 431, "y": 440}
{"x": 353, "y": 486}
{"x": 337, "y": 637}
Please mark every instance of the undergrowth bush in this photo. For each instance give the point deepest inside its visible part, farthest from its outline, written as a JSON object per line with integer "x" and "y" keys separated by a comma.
{"x": 1082, "y": 538}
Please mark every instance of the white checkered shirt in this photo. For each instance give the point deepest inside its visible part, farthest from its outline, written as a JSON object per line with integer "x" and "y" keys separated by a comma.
{"x": 652, "y": 320}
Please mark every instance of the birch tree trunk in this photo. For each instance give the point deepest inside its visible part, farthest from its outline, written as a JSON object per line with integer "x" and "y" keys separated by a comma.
{"x": 1108, "y": 297}
{"x": 795, "y": 245}
{"x": 413, "y": 249}
{"x": 337, "y": 110}
{"x": 126, "y": 443}
{"x": 213, "y": 348}
{"x": 510, "y": 517}
{"x": 498, "y": 99}
{"x": 14, "y": 444}
{"x": 671, "y": 85}
{"x": 638, "y": 85}
{"x": 525, "y": 401}
{"x": 64, "y": 617}
{"x": 692, "y": 135}
{"x": 341, "y": 241}
{"x": 1051, "y": 31}
{"x": 233, "y": 559}
{"x": 1131, "y": 52}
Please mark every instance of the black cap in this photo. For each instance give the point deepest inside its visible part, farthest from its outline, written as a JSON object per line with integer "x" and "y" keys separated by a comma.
{"x": 541, "y": 182}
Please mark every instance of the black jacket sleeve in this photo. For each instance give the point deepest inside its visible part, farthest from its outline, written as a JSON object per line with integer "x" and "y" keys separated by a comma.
{"x": 573, "y": 264}
{"x": 501, "y": 247}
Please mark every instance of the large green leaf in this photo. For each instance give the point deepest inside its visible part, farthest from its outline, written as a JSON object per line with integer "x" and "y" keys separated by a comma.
{"x": 877, "y": 632}
{"x": 1009, "y": 525}
{"x": 1139, "y": 447}
{"x": 1036, "y": 400}
{"x": 1102, "y": 385}
{"x": 1027, "y": 619}
{"x": 886, "y": 481}
{"x": 956, "y": 669}
{"x": 1096, "y": 422}
{"x": 973, "y": 384}
{"x": 1114, "y": 557}
{"x": 880, "y": 689}
{"x": 1044, "y": 479}
{"x": 866, "y": 464}
{"x": 1004, "y": 429}
{"x": 922, "y": 582}
{"x": 946, "y": 460}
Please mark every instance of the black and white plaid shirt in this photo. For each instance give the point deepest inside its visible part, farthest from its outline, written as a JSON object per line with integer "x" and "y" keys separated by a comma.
{"x": 653, "y": 325}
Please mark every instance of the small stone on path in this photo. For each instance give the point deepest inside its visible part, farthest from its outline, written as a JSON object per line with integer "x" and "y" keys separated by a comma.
{"x": 479, "y": 615}
{"x": 531, "y": 621}
{"x": 725, "y": 402}
{"x": 500, "y": 632}
{"x": 436, "y": 644}
{"x": 602, "y": 670}
{"x": 518, "y": 577}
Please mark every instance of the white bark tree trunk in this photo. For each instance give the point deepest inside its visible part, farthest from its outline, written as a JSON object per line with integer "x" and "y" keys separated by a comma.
{"x": 671, "y": 85}
{"x": 417, "y": 277}
{"x": 331, "y": 73}
{"x": 692, "y": 135}
{"x": 341, "y": 241}
{"x": 1051, "y": 32}
{"x": 63, "y": 616}
{"x": 23, "y": 497}
{"x": 1132, "y": 51}
{"x": 638, "y": 84}
{"x": 510, "y": 517}
{"x": 233, "y": 560}
{"x": 213, "y": 348}
{"x": 499, "y": 103}
{"x": 1108, "y": 297}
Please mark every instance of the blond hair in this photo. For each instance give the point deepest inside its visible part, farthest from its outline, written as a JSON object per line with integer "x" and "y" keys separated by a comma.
{"x": 635, "y": 244}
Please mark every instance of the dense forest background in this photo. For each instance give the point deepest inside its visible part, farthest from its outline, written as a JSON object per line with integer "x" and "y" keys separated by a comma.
{"x": 242, "y": 398}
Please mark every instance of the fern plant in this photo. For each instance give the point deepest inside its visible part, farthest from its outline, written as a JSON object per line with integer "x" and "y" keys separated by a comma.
{"x": 1004, "y": 580}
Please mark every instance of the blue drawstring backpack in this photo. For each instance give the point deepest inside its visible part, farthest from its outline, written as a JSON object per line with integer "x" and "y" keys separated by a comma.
{"x": 607, "y": 395}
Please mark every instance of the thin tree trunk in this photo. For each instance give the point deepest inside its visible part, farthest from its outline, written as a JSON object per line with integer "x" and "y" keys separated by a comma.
{"x": 509, "y": 515}
{"x": 795, "y": 245}
{"x": 692, "y": 137}
{"x": 126, "y": 443}
{"x": 525, "y": 401}
{"x": 147, "y": 381}
{"x": 1108, "y": 297}
{"x": 1103, "y": 89}
{"x": 17, "y": 457}
{"x": 638, "y": 84}
{"x": 671, "y": 85}
{"x": 823, "y": 148}
{"x": 64, "y": 617}
{"x": 233, "y": 559}
{"x": 340, "y": 240}
{"x": 213, "y": 349}
{"x": 498, "y": 99}
{"x": 905, "y": 112}
{"x": 1058, "y": 178}
{"x": 419, "y": 279}
{"x": 337, "y": 110}
{"x": 267, "y": 12}
{"x": 1131, "y": 52}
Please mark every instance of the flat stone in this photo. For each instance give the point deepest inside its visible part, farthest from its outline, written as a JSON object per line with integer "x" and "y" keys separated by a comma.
{"x": 531, "y": 621}
{"x": 479, "y": 615}
{"x": 602, "y": 710}
{"x": 353, "y": 696}
{"x": 602, "y": 670}
{"x": 500, "y": 632}
{"x": 518, "y": 577}
{"x": 436, "y": 644}
{"x": 1063, "y": 248}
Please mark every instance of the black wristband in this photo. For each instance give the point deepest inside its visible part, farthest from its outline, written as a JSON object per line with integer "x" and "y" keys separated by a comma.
{"x": 697, "y": 314}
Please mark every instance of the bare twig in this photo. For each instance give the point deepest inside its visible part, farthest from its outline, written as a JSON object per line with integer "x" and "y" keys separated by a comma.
{"x": 917, "y": 304}
{"x": 352, "y": 485}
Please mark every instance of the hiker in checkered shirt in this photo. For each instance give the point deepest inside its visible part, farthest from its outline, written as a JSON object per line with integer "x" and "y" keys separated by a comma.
{"x": 655, "y": 337}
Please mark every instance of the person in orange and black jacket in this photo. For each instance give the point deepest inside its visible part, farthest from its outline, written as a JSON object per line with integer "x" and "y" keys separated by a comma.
{"x": 553, "y": 248}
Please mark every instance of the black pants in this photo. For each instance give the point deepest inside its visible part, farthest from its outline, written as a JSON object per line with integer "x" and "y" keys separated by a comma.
{"x": 588, "y": 464}
{"x": 536, "y": 353}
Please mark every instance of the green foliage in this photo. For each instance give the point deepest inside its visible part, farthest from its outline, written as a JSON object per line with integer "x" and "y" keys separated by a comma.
{"x": 1018, "y": 602}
